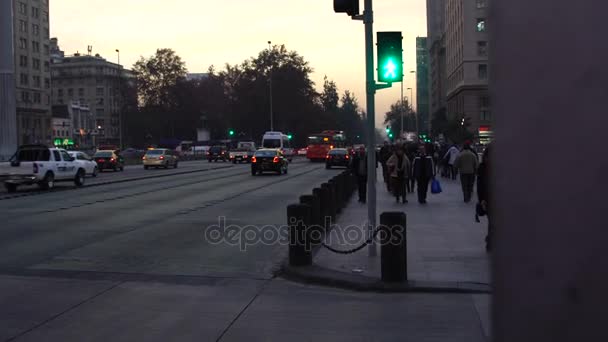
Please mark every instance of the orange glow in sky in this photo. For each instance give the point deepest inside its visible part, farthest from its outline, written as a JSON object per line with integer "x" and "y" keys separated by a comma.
{"x": 205, "y": 32}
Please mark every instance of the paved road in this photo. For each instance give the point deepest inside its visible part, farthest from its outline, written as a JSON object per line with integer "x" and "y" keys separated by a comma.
{"x": 130, "y": 261}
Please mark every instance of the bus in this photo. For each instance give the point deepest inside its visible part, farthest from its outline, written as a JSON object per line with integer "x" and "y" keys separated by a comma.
{"x": 320, "y": 144}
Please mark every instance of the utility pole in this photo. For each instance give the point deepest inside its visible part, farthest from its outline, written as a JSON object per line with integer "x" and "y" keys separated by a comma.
{"x": 401, "y": 110}
{"x": 8, "y": 108}
{"x": 119, "y": 95}
{"x": 270, "y": 83}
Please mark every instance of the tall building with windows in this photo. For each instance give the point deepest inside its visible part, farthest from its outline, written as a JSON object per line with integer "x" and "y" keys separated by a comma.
{"x": 467, "y": 64}
{"x": 436, "y": 57}
{"x": 422, "y": 85}
{"x": 32, "y": 71}
{"x": 92, "y": 81}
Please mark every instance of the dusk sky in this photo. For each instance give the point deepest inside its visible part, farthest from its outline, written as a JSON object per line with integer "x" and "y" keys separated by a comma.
{"x": 205, "y": 32}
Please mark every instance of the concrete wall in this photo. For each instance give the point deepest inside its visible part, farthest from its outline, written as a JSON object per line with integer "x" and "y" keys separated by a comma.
{"x": 551, "y": 261}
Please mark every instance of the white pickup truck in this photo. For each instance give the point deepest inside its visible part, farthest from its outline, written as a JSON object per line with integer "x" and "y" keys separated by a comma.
{"x": 41, "y": 165}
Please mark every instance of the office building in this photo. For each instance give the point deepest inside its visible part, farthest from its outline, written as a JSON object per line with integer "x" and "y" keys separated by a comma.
{"x": 422, "y": 85}
{"x": 436, "y": 58}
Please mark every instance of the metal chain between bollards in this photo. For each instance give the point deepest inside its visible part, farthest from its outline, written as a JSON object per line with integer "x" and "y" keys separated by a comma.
{"x": 356, "y": 249}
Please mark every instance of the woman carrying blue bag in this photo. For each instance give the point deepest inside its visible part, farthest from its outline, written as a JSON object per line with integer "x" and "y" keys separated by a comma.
{"x": 423, "y": 171}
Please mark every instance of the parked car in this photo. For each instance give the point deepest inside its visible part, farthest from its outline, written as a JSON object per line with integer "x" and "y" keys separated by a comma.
{"x": 337, "y": 157}
{"x": 160, "y": 157}
{"x": 268, "y": 160}
{"x": 85, "y": 161}
{"x": 41, "y": 165}
{"x": 302, "y": 151}
{"x": 108, "y": 159}
{"x": 216, "y": 153}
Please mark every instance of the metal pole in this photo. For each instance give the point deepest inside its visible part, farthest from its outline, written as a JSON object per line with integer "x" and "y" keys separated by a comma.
{"x": 270, "y": 84}
{"x": 8, "y": 111}
{"x": 119, "y": 104}
{"x": 368, "y": 15}
{"x": 401, "y": 110}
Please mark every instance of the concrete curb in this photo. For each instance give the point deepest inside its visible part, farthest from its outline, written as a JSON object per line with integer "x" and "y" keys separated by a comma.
{"x": 317, "y": 275}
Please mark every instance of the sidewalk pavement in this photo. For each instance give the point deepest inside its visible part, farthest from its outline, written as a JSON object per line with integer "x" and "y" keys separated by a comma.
{"x": 445, "y": 246}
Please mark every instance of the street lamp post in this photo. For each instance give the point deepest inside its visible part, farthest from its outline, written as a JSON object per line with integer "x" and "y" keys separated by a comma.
{"x": 412, "y": 103}
{"x": 119, "y": 95}
{"x": 402, "y": 110}
{"x": 270, "y": 84}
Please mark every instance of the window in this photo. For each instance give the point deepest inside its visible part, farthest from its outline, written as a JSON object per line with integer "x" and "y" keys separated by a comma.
{"x": 80, "y": 92}
{"x": 36, "y": 29}
{"x": 24, "y": 79}
{"x": 99, "y": 91}
{"x": 70, "y": 92}
{"x": 60, "y": 92}
{"x": 37, "y": 97}
{"x": 482, "y": 71}
{"x": 35, "y": 12}
{"x": 99, "y": 113}
{"x": 46, "y": 32}
{"x": 37, "y": 82}
{"x": 36, "y": 47}
{"x": 481, "y": 24}
{"x": 47, "y": 83}
{"x": 46, "y": 66}
{"x": 22, "y": 43}
{"x": 45, "y": 17}
{"x": 22, "y": 26}
{"x": 36, "y": 63}
{"x": 482, "y": 49}
{"x": 56, "y": 155}
{"x": 46, "y": 49}
{"x": 100, "y": 101}
{"x": 23, "y": 61}
{"x": 25, "y": 96}
{"x": 481, "y": 4}
{"x": 22, "y": 8}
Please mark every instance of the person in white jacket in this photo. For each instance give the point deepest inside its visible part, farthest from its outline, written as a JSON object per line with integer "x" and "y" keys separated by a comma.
{"x": 451, "y": 156}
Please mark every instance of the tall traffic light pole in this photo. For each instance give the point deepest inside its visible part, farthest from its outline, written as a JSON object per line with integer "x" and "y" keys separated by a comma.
{"x": 368, "y": 20}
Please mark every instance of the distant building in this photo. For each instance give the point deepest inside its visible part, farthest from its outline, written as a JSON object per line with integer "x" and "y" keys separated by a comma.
{"x": 32, "y": 71}
{"x": 467, "y": 65}
{"x": 75, "y": 122}
{"x": 97, "y": 83}
{"x": 436, "y": 57}
{"x": 422, "y": 85}
{"x": 196, "y": 76}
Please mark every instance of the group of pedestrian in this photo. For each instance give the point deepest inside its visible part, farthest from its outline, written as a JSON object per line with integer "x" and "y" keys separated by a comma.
{"x": 403, "y": 167}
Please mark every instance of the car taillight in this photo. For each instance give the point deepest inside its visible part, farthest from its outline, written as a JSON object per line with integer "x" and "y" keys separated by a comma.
{"x": 143, "y": 158}
{"x": 327, "y": 156}
{"x": 207, "y": 153}
{"x": 112, "y": 160}
{"x": 101, "y": 160}
{"x": 275, "y": 159}
{"x": 331, "y": 147}
{"x": 254, "y": 160}
{"x": 35, "y": 168}
{"x": 347, "y": 156}
{"x": 161, "y": 157}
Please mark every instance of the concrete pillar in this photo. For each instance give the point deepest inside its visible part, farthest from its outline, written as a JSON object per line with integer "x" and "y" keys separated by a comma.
{"x": 549, "y": 86}
{"x": 8, "y": 111}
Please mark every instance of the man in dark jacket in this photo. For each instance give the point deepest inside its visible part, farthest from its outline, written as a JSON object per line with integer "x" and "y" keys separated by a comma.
{"x": 359, "y": 169}
{"x": 423, "y": 172}
{"x": 385, "y": 153}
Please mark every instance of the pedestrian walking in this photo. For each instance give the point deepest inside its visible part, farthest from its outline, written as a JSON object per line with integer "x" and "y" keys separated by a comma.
{"x": 483, "y": 192}
{"x": 451, "y": 156}
{"x": 423, "y": 172}
{"x": 383, "y": 156}
{"x": 466, "y": 164}
{"x": 411, "y": 151}
{"x": 359, "y": 169}
{"x": 399, "y": 167}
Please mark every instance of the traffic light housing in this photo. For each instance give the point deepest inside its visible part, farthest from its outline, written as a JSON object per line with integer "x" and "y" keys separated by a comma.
{"x": 350, "y": 7}
{"x": 390, "y": 57}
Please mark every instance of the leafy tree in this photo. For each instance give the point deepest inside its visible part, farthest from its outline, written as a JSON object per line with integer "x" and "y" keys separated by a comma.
{"x": 393, "y": 117}
{"x": 157, "y": 75}
{"x": 329, "y": 96}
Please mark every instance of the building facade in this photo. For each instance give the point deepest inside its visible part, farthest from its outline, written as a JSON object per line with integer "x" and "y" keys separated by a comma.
{"x": 422, "y": 85}
{"x": 74, "y": 123}
{"x": 436, "y": 58}
{"x": 31, "y": 47}
{"x": 92, "y": 81}
{"x": 467, "y": 65}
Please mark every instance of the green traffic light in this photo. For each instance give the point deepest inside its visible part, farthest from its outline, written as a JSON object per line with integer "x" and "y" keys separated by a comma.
{"x": 289, "y": 136}
{"x": 231, "y": 132}
{"x": 390, "y": 57}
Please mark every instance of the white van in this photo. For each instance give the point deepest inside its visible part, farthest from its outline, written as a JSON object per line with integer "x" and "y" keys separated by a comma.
{"x": 280, "y": 141}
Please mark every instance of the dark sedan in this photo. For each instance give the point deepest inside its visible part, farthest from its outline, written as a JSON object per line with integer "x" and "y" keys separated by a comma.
{"x": 337, "y": 157}
{"x": 268, "y": 160}
{"x": 109, "y": 160}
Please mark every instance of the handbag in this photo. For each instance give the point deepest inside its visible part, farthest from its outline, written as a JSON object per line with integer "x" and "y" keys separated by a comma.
{"x": 436, "y": 187}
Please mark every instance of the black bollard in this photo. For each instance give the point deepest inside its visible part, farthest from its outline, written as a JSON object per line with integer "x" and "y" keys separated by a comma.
{"x": 331, "y": 207}
{"x": 315, "y": 228}
{"x": 298, "y": 218}
{"x": 393, "y": 252}
{"x": 337, "y": 194}
{"x": 323, "y": 195}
